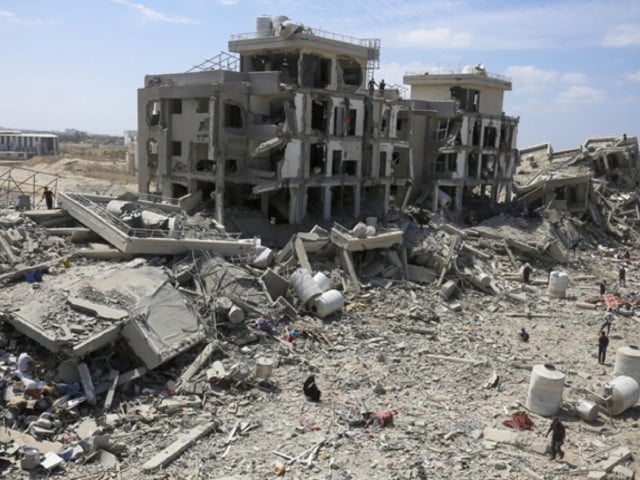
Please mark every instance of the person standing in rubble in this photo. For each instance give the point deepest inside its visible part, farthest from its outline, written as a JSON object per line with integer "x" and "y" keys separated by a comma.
{"x": 381, "y": 86}
{"x": 557, "y": 438}
{"x": 603, "y": 343}
{"x": 622, "y": 275}
{"x": 47, "y": 195}
{"x": 603, "y": 287}
{"x": 608, "y": 321}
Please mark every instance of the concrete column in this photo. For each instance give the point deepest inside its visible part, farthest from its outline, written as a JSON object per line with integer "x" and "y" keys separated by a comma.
{"x": 458, "y": 200}
{"x": 356, "y": 200}
{"x": 434, "y": 196}
{"x": 264, "y": 203}
{"x": 326, "y": 203}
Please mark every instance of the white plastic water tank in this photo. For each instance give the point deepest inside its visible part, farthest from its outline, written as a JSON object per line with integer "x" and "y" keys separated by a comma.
{"x": 304, "y": 285}
{"x": 558, "y": 283}
{"x": 118, "y": 207}
{"x": 276, "y": 22}
{"x": 359, "y": 230}
{"x": 628, "y": 362}
{"x": 545, "y": 390}
{"x": 587, "y": 410}
{"x": 287, "y": 28}
{"x": 323, "y": 281}
{"x": 370, "y": 231}
{"x": 329, "y": 302}
{"x": 444, "y": 199}
{"x": 264, "y": 26}
{"x": 624, "y": 392}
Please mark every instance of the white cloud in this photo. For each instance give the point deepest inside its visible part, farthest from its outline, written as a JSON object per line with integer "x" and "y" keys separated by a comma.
{"x": 580, "y": 95}
{"x": 530, "y": 77}
{"x": 633, "y": 77}
{"x": 12, "y": 17}
{"x": 622, "y": 36}
{"x": 441, "y": 37}
{"x": 573, "y": 77}
{"x": 228, "y": 2}
{"x": 154, "y": 15}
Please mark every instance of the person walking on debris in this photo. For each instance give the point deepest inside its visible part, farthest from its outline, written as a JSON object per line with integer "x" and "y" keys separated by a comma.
{"x": 557, "y": 438}
{"x": 603, "y": 343}
{"x": 47, "y": 195}
{"x": 524, "y": 335}
{"x": 622, "y": 275}
{"x": 608, "y": 321}
{"x": 603, "y": 287}
{"x": 381, "y": 86}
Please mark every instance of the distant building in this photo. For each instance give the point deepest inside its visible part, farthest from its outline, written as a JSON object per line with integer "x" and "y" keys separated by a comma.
{"x": 16, "y": 145}
{"x": 290, "y": 124}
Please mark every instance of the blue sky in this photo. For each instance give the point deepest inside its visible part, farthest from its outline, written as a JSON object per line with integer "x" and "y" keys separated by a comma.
{"x": 575, "y": 66}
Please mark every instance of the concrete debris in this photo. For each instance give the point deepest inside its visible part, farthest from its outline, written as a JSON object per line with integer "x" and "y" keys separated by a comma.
{"x": 191, "y": 358}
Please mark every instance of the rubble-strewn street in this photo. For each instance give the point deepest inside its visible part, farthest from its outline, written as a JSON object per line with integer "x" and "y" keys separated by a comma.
{"x": 191, "y": 363}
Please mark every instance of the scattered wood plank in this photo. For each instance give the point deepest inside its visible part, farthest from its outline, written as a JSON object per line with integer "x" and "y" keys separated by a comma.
{"x": 173, "y": 451}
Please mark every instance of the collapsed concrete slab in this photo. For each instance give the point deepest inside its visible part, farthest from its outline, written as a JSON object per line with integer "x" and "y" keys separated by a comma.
{"x": 73, "y": 312}
{"x": 140, "y": 230}
{"x": 165, "y": 326}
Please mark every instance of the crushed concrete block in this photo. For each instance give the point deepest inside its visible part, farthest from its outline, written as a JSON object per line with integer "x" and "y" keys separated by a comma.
{"x": 418, "y": 274}
{"x": 616, "y": 457}
{"x": 623, "y": 473}
{"x": 108, "y": 460}
{"x": 597, "y": 474}
{"x": 87, "y": 428}
{"x": 51, "y": 461}
{"x": 275, "y": 285}
{"x": 97, "y": 310}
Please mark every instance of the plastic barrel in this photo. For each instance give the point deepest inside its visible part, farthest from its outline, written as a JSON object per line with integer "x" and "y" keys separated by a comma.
{"x": 628, "y": 362}
{"x": 545, "y": 390}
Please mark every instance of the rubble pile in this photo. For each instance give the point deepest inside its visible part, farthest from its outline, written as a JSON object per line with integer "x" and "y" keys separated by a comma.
{"x": 390, "y": 349}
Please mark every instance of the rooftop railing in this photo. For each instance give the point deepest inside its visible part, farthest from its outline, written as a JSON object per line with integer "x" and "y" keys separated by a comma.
{"x": 362, "y": 42}
{"x": 449, "y": 71}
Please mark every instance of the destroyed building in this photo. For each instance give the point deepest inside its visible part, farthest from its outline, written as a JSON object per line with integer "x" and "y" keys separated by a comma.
{"x": 471, "y": 154}
{"x": 288, "y": 125}
{"x": 574, "y": 180}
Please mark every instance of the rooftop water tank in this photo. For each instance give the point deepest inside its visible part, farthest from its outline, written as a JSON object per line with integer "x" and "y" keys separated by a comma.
{"x": 287, "y": 28}
{"x": 264, "y": 26}
{"x": 545, "y": 390}
{"x": 276, "y": 22}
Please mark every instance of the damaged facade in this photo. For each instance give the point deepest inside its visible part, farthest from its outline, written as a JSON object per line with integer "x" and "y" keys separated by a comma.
{"x": 576, "y": 180}
{"x": 290, "y": 127}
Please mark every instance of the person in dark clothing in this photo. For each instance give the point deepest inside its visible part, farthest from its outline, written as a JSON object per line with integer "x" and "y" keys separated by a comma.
{"x": 381, "y": 86}
{"x": 524, "y": 335}
{"x": 557, "y": 438}
{"x": 48, "y": 197}
{"x": 526, "y": 273}
{"x": 603, "y": 343}
{"x": 603, "y": 287}
{"x": 622, "y": 276}
{"x": 372, "y": 86}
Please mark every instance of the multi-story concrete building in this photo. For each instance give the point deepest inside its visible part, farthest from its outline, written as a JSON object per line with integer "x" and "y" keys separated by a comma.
{"x": 471, "y": 155}
{"x": 290, "y": 126}
{"x": 21, "y": 146}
